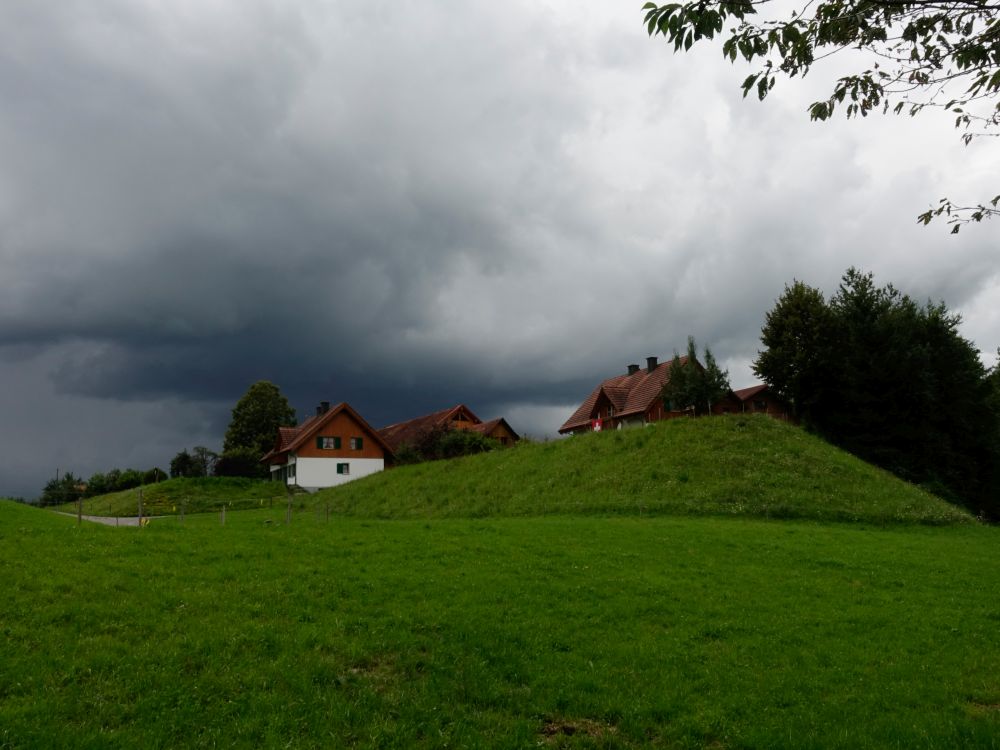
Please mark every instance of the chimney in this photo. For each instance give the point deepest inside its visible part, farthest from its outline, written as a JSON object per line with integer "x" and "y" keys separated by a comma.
{"x": 650, "y": 364}
{"x": 324, "y": 407}
{"x": 633, "y": 369}
{"x": 319, "y": 410}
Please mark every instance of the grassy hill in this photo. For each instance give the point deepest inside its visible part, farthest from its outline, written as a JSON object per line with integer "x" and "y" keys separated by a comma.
{"x": 732, "y": 466}
{"x": 194, "y": 495}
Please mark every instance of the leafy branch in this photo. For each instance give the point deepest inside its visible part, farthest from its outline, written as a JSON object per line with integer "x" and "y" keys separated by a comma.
{"x": 929, "y": 54}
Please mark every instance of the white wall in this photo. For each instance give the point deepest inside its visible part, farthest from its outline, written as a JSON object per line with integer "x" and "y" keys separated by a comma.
{"x": 314, "y": 473}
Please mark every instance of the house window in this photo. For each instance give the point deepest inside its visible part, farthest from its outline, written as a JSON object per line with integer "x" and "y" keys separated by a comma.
{"x": 356, "y": 443}
{"x": 611, "y": 411}
{"x": 760, "y": 405}
{"x": 291, "y": 471}
{"x": 343, "y": 468}
{"x": 328, "y": 443}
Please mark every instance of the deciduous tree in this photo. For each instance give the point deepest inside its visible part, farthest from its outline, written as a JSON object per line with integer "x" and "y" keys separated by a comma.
{"x": 256, "y": 419}
{"x": 895, "y": 383}
{"x": 917, "y": 55}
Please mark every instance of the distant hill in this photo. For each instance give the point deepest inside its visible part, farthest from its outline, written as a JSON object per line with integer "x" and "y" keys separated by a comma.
{"x": 723, "y": 466}
{"x": 194, "y": 495}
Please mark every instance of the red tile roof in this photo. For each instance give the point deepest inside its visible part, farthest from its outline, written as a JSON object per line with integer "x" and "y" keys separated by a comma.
{"x": 486, "y": 428}
{"x": 413, "y": 429}
{"x": 630, "y": 394}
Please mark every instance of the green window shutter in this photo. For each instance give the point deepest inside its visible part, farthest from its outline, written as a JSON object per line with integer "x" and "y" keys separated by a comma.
{"x": 336, "y": 443}
{"x": 360, "y": 443}
{"x": 319, "y": 442}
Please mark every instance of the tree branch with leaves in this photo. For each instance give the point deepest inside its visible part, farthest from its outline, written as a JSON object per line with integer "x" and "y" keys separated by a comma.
{"x": 924, "y": 55}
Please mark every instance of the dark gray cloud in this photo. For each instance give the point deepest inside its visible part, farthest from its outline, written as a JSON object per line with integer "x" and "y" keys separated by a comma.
{"x": 406, "y": 207}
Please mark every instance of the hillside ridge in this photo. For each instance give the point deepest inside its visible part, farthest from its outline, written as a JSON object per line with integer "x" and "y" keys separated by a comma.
{"x": 737, "y": 465}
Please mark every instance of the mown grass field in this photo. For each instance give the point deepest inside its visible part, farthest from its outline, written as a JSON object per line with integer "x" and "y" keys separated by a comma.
{"x": 725, "y": 583}
{"x": 501, "y": 632}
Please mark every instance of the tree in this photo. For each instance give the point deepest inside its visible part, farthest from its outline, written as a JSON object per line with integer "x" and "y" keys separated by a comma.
{"x": 200, "y": 462}
{"x": 797, "y": 355}
{"x": 65, "y": 489}
{"x": 894, "y": 383}
{"x": 182, "y": 465}
{"x": 241, "y": 462}
{"x": 692, "y": 385}
{"x": 204, "y": 460}
{"x": 256, "y": 419}
{"x": 923, "y": 54}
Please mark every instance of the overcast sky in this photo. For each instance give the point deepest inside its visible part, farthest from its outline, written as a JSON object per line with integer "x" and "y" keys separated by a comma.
{"x": 411, "y": 205}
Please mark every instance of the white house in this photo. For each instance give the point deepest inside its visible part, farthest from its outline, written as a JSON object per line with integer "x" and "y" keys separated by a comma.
{"x": 332, "y": 447}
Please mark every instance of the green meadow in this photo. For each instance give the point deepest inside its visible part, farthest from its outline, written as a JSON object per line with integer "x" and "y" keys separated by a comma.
{"x": 185, "y": 494}
{"x": 594, "y": 625}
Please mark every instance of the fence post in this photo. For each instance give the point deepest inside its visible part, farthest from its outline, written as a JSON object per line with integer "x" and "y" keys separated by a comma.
{"x": 223, "y": 515}
{"x": 140, "y": 506}
{"x": 79, "y": 511}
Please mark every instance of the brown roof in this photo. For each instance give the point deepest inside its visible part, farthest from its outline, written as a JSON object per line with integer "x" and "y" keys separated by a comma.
{"x": 412, "y": 430}
{"x": 486, "y": 428}
{"x": 630, "y": 394}
{"x": 744, "y": 393}
{"x": 290, "y": 438}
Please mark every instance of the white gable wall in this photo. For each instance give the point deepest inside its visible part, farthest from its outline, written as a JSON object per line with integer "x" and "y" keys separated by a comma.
{"x": 316, "y": 473}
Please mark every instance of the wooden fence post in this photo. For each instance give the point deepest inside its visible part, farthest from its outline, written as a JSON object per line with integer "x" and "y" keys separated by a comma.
{"x": 140, "y": 506}
{"x": 223, "y": 515}
{"x": 79, "y": 511}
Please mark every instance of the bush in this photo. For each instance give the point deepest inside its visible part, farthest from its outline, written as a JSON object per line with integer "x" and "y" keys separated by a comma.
{"x": 241, "y": 462}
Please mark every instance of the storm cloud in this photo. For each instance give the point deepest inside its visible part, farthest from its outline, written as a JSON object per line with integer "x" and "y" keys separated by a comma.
{"x": 407, "y": 206}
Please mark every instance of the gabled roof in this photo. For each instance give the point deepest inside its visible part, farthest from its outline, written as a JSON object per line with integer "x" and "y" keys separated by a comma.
{"x": 413, "y": 429}
{"x": 744, "y": 393}
{"x": 630, "y": 394}
{"x": 290, "y": 438}
{"x": 485, "y": 428}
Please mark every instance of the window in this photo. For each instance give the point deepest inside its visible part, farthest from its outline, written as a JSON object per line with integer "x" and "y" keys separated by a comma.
{"x": 291, "y": 471}
{"x": 328, "y": 443}
{"x": 356, "y": 443}
{"x": 343, "y": 468}
{"x": 760, "y": 405}
{"x": 611, "y": 411}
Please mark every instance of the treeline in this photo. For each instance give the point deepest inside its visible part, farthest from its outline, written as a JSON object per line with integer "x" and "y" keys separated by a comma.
{"x": 892, "y": 381}
{"x": 69, "y": 488}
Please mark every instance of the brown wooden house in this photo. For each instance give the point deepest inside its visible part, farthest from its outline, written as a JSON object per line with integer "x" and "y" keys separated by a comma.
{"x": 334, "y": 446}
{"x": 626, "y": 400}
{"x": 458, "y": 417}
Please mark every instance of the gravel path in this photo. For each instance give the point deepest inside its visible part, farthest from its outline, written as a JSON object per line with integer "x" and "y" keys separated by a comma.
{"x": 110, "y": 520}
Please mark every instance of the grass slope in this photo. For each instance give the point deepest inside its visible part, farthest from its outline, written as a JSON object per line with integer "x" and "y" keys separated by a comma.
{"x": 742, "y": 466}
{"x": 514, "y": 632}
{"x": 195, "y": 495}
